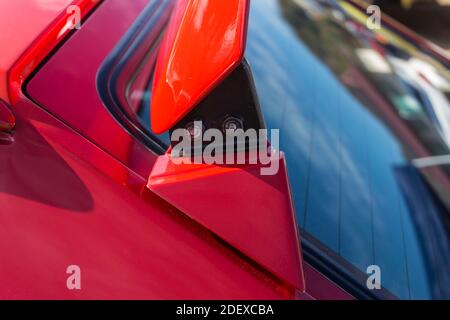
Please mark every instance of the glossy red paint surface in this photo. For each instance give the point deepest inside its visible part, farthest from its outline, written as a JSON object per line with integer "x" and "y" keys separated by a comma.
{"x": 30, "y": 17}
{"x": 7, "y": 119}
{"x": 204, "y": 42}
{"x": 102, "y": 206}
{"x": 65, "y": 201}
{"x": 250, "y": 211}
{"x": 320, "y": 287}
{"x": 42, "y": 26}
{"x": 74, "y": 98}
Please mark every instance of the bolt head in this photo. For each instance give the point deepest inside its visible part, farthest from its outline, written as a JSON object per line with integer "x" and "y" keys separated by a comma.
{"x": 233, "y": 123}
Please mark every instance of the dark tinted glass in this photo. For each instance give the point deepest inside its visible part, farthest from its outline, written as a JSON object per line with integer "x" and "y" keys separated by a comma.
{"x": 363, "y": 116}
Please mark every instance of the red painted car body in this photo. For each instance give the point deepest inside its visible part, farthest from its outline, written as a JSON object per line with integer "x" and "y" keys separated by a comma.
{"x": 73, "y": 182}
{"x": 78, "y": 187}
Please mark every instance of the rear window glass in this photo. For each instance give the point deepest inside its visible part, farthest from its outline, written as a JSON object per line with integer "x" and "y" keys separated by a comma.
{"x": 349, "y": 125}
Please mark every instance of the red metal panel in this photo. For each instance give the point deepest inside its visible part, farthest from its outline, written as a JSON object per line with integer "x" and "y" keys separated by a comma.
{"x": 250, "y": 211}
{"x": 72, "y": 73}
{"x": 30, "y": 17}
{"x": 204, "y": 42}
{"x": 65, "y": 201}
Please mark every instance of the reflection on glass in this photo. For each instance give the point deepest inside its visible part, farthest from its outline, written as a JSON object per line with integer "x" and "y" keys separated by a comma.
{"x": 354, "y": 108}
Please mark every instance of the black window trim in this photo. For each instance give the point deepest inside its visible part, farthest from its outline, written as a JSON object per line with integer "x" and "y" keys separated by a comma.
{"x": 114, "y": 64}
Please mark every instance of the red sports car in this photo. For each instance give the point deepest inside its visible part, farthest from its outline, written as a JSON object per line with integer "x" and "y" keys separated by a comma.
{"x": 221, "y": 149}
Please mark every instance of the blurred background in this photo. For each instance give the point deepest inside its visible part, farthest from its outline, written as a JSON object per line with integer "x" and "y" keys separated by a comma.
{"x": 429, "y": 18}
